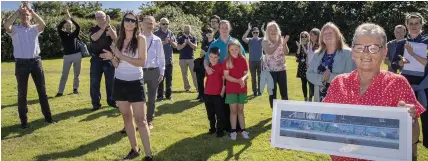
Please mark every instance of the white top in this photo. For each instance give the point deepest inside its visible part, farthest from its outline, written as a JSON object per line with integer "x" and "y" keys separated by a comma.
{"x": 25, "y": 41}
{"x": 128, "y": 72}
{"x": 155, "y": 53}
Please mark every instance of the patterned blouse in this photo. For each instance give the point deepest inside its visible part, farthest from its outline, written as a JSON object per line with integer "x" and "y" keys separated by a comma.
{"x": 276, "y": 61}
{"x": 387, "y": 89}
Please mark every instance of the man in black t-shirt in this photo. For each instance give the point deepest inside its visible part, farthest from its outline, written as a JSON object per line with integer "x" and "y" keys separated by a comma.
{"x": 102, "y": 36}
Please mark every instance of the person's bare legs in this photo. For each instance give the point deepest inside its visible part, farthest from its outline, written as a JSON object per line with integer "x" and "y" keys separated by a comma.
{"x": 233, "y": 115}
{"x": 140, "y": 111}
{"x": 125, "y": 110}
{"x": 241, "y": 117}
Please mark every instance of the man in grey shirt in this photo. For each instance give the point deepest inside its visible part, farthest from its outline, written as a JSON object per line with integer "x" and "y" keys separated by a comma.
{"x": 256, "y": 51}
{"x": 399, "y": 33}
{"x": 169, "y": 42}
{"x": 26, "y": 51}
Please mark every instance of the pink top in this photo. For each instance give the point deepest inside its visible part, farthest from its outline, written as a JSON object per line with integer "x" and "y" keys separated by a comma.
{"x": 387, "y": 89}
{"x": 276, "y": 61}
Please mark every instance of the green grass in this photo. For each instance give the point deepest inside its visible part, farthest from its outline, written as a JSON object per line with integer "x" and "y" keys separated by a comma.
{"x": 179, "y": 132}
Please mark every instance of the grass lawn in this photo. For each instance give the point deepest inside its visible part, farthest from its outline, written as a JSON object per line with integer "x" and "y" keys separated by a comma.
{"x": 179, "y": 133}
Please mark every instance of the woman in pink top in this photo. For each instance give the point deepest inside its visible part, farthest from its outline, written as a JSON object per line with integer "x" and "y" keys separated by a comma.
{"x": 368, "y": 85}
{"x": 275, "y": 47}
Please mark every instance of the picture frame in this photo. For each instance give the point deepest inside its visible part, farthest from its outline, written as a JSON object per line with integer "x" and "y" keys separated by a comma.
{"x": 355, "y": 131}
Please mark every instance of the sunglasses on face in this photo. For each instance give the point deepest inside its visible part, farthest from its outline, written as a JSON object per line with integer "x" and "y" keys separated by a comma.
{"x": 130, "y": 20}
{"x": 373, "y": 49}
{"x": 164, "y": 24}
{"x": 214, "y": 22}
{"x": 304, "y": 37}
{"x": 255, "y": 32}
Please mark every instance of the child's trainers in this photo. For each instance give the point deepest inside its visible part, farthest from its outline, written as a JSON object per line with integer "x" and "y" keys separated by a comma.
{"x": 233, "y": 135}
{"x": 245, "y": 134}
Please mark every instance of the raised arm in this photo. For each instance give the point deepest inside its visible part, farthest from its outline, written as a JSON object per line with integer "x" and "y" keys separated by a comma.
{"x": 9, "y": 22}
{"x": 244, "y": 37}
{"x": 77, "y": 31}
{"x": 60, "y": 26}
{"x": 263, "y": 29}
{"x": 270, "y": 50}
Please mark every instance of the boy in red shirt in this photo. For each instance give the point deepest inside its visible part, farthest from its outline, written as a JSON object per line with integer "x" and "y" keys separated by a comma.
{"x": 236, "y": 73}
{"x": 214, "y": 92}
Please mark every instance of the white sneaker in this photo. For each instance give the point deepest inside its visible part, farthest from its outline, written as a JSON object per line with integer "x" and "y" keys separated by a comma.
{"x": 245, "y": 134}
{"x": 233, "y": 136}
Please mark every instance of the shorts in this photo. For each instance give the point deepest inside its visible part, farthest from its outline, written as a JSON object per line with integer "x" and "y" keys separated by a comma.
{"x": 236, "y": 98}
{"x": 131, "y": 91}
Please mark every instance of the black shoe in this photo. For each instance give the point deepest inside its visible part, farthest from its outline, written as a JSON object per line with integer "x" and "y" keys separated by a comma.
{"x": 201, "y": 99}
{"x": 123, "y": 131}
{"x": 51, "y": 121}
{"x": 220, "y": 134}
{"x": 160, "y": 99}
{"x": 148, "y": 158}
{"x": 211, "y": 131}
{"x": 169, "y": 98}
{"x": 95, "y": 108}
{"x": 255, "y": 94}
{"x": 24, "y": 125}
{"x": 58, "y": 95}
{"x": 75, "y": 91}
{"x": 133, "y": 154}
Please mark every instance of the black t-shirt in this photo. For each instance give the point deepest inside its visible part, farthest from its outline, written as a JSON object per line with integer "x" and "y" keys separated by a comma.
{"x": 103, "y": 42}
{"x": 68, "y": 40}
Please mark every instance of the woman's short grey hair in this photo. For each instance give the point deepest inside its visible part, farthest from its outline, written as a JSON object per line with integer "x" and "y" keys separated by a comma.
{"x": 227, "y": 23}
{"x": 370, "y": 29}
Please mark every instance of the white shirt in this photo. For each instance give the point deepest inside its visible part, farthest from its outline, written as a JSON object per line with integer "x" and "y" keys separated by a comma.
{"x": 155, "y": 54}
{"x": 128, "y": 72}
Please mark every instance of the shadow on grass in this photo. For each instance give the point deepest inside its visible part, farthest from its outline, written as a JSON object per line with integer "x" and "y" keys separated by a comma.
{"x": 203, "y": 146}
{"x": 30, "y": 102}
{"x": 176, "y": 107}
{"x": 111, "y": 112}
{"x": 83, "y": 149}
{"x": 40, "y": 123}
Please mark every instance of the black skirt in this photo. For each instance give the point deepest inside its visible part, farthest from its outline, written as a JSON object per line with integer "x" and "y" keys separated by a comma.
{"x": 131, "y": 91}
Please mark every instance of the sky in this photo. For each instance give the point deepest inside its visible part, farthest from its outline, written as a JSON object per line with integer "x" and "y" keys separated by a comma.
{"x": 124, "y": 5}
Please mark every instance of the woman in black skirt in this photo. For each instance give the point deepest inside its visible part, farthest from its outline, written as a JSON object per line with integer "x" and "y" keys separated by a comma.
{"x": 302, "y": 59}
{"x": 128, "y": 55}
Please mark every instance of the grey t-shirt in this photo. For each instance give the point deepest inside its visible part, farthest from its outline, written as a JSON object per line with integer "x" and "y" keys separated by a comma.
{"x": 255, "y": 47}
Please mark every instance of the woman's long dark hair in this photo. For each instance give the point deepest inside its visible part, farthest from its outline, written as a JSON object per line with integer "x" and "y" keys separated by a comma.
{"x": 133, "y": 44}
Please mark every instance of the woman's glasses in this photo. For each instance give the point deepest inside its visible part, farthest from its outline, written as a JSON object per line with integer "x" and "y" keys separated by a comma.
{"x": 130, "y": 20}
{"x": 373, "y": 49}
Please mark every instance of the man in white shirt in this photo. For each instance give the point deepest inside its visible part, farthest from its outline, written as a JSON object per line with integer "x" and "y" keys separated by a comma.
{"x": 155, "y": 66}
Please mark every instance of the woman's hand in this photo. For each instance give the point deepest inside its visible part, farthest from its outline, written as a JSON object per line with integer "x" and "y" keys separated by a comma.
{"x": 412, "y": 111}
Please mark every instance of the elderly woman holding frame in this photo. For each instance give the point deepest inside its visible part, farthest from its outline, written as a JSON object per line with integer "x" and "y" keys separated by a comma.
{"x": 368, "y": 85}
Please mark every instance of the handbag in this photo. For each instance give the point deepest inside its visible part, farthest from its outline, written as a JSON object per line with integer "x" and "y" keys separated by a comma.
{"x": 83, "y": 48}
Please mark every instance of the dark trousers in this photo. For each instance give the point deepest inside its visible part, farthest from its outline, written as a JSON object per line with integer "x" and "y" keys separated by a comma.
{"x": 279, "y": 78}
{"x": 98, "y": 67}
{"x": 424, "y": 122}
{"x": 311, "y": 90}
{"x": 200, "y": 79}
{"x": 214, "y": 105}
{"x": 168, "y": 83}
{"x": 304, "y": 86}
{"x": 255, "y": 70}
{"x": 23, "y": 68}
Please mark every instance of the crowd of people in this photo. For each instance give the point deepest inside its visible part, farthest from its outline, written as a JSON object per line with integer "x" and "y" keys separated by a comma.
{"x": 137, "y": 54}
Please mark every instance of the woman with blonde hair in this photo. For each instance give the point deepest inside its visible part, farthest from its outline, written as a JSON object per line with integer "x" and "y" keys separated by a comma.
{"x": 302, "y": 60}
{"x": 236, "y": 74}
{"x": 275, "y": 48}
{"x": 331, "y": 59}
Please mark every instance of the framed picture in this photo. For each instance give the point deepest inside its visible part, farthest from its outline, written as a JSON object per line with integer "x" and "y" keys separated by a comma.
{"x": 356, "y": 131}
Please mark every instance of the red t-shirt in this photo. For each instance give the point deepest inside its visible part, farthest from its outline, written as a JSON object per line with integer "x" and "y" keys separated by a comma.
{"x": 239, "y": 67}
{"x": 387, "y": 89}
{"x": 214, "y": 82}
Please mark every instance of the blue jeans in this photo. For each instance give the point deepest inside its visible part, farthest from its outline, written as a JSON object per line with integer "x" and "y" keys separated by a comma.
{"x": 98, "y": 67}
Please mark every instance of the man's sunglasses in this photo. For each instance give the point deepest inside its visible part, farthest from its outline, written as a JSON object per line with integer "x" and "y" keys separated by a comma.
{"x": 255, "y": 32}
{"x": 164, "y": 24}
{"x": 130, "y": 20}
